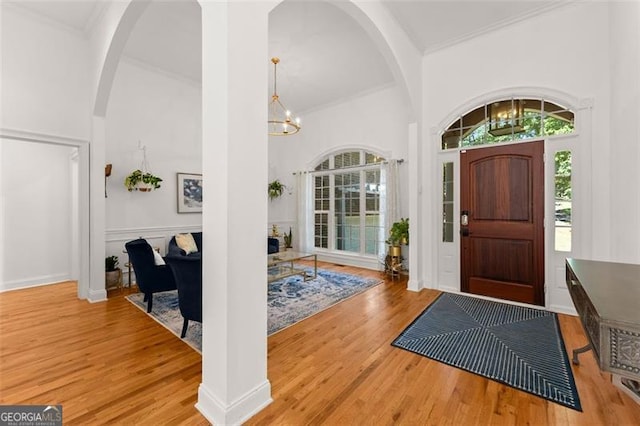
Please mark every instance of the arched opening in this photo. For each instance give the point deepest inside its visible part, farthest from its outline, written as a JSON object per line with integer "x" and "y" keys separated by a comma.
{"x": 474, "y": 195}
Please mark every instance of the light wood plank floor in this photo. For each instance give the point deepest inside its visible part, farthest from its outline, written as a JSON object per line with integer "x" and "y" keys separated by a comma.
{"x": 108, "y": 363}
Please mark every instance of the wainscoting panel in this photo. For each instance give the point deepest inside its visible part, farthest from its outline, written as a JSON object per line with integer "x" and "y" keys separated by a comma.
{"x": 158, "y": 237}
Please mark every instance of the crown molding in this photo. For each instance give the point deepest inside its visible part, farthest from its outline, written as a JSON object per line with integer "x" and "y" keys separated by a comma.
{"x": 345, "y": 99}
{"x": 155, "y": 69}
{"x": 42, "y": 18}
{"x": 99, "y": 10}
{"x": 498, "y": 25}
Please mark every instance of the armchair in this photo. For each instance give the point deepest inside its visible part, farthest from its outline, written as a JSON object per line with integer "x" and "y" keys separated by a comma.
{"x": 187, "y": 272}
{"x": 151, "y": 278}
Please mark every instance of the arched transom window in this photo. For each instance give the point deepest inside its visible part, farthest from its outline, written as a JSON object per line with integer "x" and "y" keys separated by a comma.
{"x": 508, "y": 120}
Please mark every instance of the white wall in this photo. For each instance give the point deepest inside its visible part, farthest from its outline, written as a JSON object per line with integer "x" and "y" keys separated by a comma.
{"x": 45, "y": 90}
{"x": 36, "y": 213}
{"x": 625, "y": 131}
{"x": 164, "y": 114}
{"x": 44, "y": 78}
{"x": 376, "y": 121}
{"x": 565, "y": 50}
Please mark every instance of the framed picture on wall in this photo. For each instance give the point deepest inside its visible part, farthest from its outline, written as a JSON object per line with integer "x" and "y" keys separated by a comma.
{"x": 189, "y": 193}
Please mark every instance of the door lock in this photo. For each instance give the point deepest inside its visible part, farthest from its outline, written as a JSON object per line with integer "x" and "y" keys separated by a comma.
{"x": 464, "y": 218}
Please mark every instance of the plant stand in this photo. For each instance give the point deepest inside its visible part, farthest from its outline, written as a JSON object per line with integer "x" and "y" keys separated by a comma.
{"x": 393, "y": 262}
{"x": 113, "y": 279}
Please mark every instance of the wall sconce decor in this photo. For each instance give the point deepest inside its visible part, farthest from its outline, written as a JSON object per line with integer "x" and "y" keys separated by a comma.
{"x": 107, "y": 173}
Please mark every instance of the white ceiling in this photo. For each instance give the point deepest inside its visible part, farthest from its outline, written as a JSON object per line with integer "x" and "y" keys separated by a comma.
{"x": 325, "y": 55}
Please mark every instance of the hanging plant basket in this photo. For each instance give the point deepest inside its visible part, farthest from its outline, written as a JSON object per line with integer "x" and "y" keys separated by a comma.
{"x": 275, "y": 189}
{"x": 139, "y": 181}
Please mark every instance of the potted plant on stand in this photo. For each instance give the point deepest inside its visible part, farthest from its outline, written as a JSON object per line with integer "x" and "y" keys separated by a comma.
{"x": 398, "y": 237}
{"x": 113, "y": 274}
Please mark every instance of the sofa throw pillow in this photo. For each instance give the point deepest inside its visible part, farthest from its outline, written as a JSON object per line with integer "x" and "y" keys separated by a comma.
{"x": 186, "y": 243}
{"x": 157, "y": 258}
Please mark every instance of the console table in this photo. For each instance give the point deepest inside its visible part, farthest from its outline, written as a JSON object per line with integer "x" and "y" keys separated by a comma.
{"x": 607, "y": 298}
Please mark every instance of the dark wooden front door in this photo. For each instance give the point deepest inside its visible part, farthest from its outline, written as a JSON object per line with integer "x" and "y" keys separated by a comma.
{"x": 502, "y": 192}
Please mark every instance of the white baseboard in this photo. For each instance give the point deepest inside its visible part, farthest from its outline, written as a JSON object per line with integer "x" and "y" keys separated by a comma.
{"x": 97, "y": 295}
{"x": 357, "y": 261}
{"x": 239, "y": 411}
{"x": 449, "y": 289}
{"x": 415, "y": 284}
{"x": 34, "y": 282}
{"x": 562, "y": 309}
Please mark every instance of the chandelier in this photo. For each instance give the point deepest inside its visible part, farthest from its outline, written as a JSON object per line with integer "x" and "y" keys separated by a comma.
{"x": 280, "y": 121}
{"x": 505, "y": 117}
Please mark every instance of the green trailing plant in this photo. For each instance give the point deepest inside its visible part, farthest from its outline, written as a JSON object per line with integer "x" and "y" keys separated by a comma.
{"x": 288, "y": 239}
{"x": 399, "y": 232}
{"x": 275, "y": 189}
{"x": 133, "y": 181}
{"x": 111, "y": 263}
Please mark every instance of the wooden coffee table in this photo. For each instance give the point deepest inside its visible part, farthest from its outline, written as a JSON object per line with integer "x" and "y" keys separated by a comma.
{"x": 281, "y": 265}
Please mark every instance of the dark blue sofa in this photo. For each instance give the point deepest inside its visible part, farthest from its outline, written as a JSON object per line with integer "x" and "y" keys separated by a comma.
{"x": 273, "y": 246}
{"x": 174, "y": 250}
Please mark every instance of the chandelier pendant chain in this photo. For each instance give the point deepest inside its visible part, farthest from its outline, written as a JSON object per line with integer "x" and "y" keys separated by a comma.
{"x": 275, "y": 78}
{"x": 280, "y": 122}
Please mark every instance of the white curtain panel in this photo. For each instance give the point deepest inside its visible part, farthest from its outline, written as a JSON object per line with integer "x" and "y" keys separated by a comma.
{"x": 389, "y": 203}
{"x": 305, "y": 211}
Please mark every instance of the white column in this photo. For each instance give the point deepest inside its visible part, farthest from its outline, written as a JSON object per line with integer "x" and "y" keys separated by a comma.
{"x": 234, "y": 219}
{"x": 83, "y": 225}
{"x": 415, "y": 218}
{"x": 97, "y": 291}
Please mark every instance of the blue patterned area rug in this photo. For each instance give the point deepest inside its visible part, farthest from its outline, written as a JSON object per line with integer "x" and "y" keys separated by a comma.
{"x": 289, "y": 300}
{"x": 518, "y": 346}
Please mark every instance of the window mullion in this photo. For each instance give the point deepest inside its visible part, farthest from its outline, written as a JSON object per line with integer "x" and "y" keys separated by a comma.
{"x": 331, "y": 220}
{"x": 363, "y": 210}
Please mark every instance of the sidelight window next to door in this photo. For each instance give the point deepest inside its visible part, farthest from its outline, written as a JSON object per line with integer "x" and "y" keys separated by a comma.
{"x": 562, "y": 198}
{"x": 563, "y": 201}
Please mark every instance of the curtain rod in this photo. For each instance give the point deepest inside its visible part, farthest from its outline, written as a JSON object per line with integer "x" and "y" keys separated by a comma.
{"x": 361, "y": 166}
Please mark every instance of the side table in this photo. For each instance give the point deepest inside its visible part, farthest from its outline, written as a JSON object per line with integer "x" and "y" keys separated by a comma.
{"x": 128, "y": 265}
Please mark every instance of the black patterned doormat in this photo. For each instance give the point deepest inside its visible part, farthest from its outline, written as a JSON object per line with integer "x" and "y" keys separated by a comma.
{"x": 518, "y": 346}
